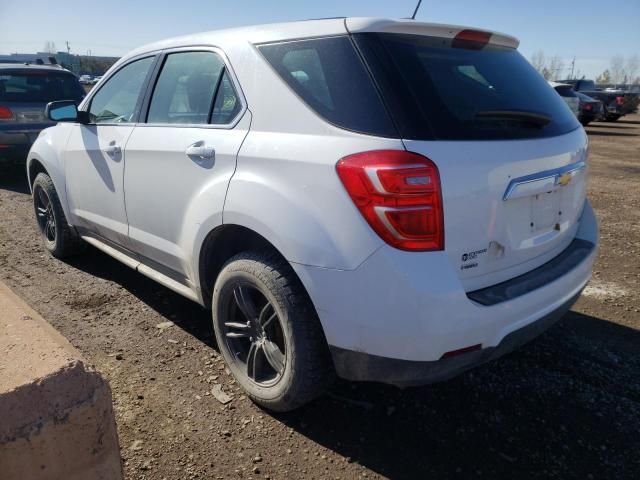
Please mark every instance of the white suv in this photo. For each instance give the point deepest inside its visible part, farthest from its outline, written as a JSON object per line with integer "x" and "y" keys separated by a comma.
{"x": 387, "y": 200}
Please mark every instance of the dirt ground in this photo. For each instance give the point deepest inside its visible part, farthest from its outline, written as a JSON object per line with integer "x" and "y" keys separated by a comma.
{"x": 565, "y": 406}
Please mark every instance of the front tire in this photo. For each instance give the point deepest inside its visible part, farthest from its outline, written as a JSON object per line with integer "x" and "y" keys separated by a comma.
{"x": 59, "y": 237}
{"x": 268, "y": 332}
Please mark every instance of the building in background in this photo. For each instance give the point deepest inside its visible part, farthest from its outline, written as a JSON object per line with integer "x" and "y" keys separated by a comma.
{"x": 78, "y": 64}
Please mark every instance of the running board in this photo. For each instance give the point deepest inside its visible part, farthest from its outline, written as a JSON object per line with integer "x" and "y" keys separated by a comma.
{"x": 147, "y": 271}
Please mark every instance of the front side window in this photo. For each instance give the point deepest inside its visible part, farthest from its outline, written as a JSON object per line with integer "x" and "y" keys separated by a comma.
{"x": 117, "y": 99}
{"x": 186, "y": 88}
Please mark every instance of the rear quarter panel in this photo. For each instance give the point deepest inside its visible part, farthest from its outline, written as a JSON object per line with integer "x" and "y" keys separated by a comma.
{"x": 285, "y": 186}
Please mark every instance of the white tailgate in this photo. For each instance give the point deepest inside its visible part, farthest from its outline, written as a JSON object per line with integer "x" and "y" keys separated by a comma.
{"x": 509, "y": 206}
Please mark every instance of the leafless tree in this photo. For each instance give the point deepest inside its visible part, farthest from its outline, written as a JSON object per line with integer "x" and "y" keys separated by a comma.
{"x": 632, "y": 67}
{"x": 49, "y": 47}
{"x": 604, "y": 78}
{"x": 616, "y": 68}
{"x": 556, "y": 66}
{"x": 538, "y": 60}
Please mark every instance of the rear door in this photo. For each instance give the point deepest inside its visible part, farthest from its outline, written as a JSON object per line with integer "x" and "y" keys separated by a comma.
{"x": 94, "y": 155}
{"x": 181, "y": 158}
{"x": 511, "y": 155}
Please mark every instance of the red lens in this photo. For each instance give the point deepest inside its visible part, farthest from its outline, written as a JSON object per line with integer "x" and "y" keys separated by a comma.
{"x": 398, "y": 193}
{"x": 5, "y": 113}
{"x": 471, "y": 39}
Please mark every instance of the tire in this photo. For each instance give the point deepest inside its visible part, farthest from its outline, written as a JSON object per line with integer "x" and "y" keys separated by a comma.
{"x": 59, "y": 237}
{"x": 300, "y": 369}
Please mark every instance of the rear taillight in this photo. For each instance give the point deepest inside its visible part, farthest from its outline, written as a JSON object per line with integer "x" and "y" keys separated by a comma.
{"x": 399, "y": 195}
{"x": 620, "y": 100}
{"x": 587, "y": 106}
{"x": 5, "y": 113}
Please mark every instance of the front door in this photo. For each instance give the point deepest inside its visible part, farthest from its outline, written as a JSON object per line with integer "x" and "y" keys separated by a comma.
{"x": 95, "y": 154}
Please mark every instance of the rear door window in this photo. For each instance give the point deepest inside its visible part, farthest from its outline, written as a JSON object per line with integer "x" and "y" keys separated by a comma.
{"x": 329, "y": 76}
{"x": 437, "y": 90}
{"x": 186, "y": 87}
{"x": 227, "y": 104}
{"x": 39, "y": 86}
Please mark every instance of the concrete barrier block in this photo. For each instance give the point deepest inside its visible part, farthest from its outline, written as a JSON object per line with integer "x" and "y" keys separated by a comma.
{"x": 56, "y": 415}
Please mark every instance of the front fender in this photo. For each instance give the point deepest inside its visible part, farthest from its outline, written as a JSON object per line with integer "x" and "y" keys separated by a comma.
{"x": 48, "y": 151}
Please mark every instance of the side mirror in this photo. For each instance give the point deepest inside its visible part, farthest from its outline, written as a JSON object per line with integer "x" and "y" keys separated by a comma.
{"x": 65, "y": 111}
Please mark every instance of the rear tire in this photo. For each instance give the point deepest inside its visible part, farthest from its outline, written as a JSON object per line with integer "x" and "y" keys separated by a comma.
{"x": 59, "y": 237}
{"x": 268, "y": 332}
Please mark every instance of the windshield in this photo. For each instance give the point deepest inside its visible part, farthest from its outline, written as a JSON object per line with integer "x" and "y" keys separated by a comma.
{"x": 38, "y": 86}
{"x": 437, "y": 91}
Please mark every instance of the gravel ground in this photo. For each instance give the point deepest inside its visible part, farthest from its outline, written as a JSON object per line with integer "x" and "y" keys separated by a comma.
{"x": 565, "y": 406}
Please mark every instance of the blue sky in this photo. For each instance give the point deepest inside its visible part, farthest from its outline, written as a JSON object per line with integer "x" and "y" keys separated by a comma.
{"x": 563, "y": 28}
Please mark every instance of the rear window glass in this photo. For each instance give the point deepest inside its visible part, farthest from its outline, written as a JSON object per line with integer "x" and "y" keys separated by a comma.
{"x": 39, "y": 87}
{"x": 565, "y": 91}
{"x": 329, "y": 76}
{"x": 435, "y": 91}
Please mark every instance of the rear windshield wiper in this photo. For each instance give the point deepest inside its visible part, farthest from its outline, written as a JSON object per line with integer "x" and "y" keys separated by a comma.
{"x": 537, "y": 119}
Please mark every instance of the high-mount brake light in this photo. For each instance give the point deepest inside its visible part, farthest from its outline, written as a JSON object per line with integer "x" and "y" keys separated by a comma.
{"x": 471, "y": 39}
{"x": 399, "y": 195}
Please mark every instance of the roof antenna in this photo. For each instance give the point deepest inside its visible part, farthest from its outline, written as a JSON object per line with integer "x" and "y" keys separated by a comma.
{"x": 413, "y": 17}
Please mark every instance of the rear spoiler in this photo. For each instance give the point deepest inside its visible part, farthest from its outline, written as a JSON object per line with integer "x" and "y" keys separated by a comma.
{"x": 382, "y": 25}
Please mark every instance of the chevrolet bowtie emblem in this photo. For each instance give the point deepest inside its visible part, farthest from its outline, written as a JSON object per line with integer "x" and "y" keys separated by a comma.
{"x": 564, "y": 179}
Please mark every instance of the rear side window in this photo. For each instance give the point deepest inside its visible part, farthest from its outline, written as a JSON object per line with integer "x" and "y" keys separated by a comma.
{"x": 39, "y": 86}
{"x": 329, "y": 76}
{"x": 227, "y": 105}
{"x": 436, "y": 90}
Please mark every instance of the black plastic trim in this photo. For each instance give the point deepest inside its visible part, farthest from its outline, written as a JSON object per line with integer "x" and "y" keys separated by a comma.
{"x": 570, "y": 257}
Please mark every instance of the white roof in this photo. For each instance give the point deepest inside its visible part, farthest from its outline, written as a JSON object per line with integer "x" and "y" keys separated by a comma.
{"x": 318, "y": 28}
{"x": 556, "y": 84}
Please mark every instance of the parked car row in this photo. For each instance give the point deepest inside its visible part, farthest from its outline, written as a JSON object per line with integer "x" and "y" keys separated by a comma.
{"x": 89, "y": 79}
{"x": 616, "y": 103}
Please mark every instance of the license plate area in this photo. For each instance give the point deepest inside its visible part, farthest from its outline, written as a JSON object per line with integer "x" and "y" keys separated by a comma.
{"x": 545, "y": 211}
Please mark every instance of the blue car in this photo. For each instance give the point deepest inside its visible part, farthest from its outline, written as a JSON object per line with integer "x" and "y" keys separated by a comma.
{"x": 25, "y": 91}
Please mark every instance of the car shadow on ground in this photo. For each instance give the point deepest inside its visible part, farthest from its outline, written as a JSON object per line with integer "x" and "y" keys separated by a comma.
{"x": 609, "y": 125}
{"x": 14, "y": 178}
{"x": 611, "y": 134}
{"x": 566, "y": 405}
{"x": 533, "y": 413}
{"x": 631, "y": 122}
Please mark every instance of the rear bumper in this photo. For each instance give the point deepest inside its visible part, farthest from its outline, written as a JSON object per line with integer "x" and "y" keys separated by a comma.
{"x": 359, "y": 366}
{"x": 16, "y": 142}
{"x": 396, "y": 316}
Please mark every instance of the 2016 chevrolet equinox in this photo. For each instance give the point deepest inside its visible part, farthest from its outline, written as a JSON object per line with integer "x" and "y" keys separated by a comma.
{"x": 387, "y": 200}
